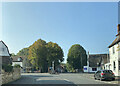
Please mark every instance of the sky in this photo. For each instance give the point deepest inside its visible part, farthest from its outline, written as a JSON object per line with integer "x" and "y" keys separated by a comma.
{"x": 93, "y": 25}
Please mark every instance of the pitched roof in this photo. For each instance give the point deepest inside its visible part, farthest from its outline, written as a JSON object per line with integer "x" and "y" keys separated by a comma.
{"x": 15, "y": 58}
{"x": 117, "y": 40}
{"x": 95, "y": 60}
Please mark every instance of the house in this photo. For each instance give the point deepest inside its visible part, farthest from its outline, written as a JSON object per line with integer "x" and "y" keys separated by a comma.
{"x": 5, "y": 56}
{"x": 114, "y": 52}
{"x": 95, "y": 62}
{"x": 17, "y": 60}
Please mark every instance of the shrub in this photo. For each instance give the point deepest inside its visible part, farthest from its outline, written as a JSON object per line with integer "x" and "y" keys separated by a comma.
{"x": 17, "y": 66}
{"x": 7, "y": 67}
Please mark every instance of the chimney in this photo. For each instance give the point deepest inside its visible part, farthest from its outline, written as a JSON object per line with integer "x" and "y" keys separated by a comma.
{"x": 118, "y": 28}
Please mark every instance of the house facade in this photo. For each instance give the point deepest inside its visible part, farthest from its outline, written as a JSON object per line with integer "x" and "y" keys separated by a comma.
{"x": 17, "y": 60}
{"x": 4, "y": 54}
{"x": 95, "y": 62}
{"x": 114, "y": 52}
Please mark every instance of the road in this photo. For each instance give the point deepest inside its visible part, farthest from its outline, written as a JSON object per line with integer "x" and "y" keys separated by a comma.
{"x": 63, "y": 79}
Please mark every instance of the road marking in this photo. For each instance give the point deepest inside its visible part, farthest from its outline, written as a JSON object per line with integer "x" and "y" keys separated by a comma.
{"x": 38, "y": 79}
{"x": 66, "y": 80}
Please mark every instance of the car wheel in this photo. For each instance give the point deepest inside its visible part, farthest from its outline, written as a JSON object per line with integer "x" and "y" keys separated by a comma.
{"x": 95, "y": 78}
{"x": 113, "y": 79}
{"x": 101, "y": 79}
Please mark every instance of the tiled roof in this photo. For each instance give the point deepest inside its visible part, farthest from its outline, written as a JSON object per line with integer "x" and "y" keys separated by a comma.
{"x": 15, "y": 58}
{"x": 117, "y": 40}
{"x": 95, "y": 60}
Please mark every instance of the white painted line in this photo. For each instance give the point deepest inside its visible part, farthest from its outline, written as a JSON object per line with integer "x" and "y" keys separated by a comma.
{"x": 66, "y": 80}
{"x": 38, "y": 79}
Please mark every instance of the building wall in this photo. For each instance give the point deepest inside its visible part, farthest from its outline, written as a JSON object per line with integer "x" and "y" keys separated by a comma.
{"x": 3, "y": 50}
{"x": 6, "y": 60}
{"x": 20, "y": 63}
{"x": 89, "y": 69}
{"x": 114, "y": 58}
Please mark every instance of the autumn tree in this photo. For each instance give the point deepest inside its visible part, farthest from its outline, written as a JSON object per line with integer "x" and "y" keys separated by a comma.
{"x": 77, "y": 57}
{"x": 38, "y": 55}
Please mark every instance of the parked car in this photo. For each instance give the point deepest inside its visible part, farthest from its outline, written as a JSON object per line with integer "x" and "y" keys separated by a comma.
{"x": 104, "y": 75}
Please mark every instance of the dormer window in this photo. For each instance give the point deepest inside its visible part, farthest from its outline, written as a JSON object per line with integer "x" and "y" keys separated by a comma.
{"x": 19, "y": 59}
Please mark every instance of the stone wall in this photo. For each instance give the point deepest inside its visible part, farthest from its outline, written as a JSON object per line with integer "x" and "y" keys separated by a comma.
{"x": 12, "y": 76}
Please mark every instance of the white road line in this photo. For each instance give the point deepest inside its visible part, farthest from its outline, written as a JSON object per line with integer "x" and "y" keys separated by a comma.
{"x": 38, "y": 79}
{"x": 66, "y": 80}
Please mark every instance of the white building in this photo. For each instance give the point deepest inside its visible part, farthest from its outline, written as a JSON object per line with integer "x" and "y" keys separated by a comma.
{"x": 114, "y": 52}
{"x": 17, "y": 60}
{"x": 94, "y": 62}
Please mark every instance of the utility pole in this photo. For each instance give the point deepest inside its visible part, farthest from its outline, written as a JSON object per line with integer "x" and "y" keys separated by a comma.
{"x": 81, "y": 63}
{"x": 88, "y": 61}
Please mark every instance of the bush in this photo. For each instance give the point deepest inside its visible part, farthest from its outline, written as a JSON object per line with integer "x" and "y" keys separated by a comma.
{"x": 7, "y": 67}
{"x": 17, "y": 66}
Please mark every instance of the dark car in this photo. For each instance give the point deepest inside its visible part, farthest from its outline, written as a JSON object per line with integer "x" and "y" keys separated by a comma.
{"x": 104, "y": 75}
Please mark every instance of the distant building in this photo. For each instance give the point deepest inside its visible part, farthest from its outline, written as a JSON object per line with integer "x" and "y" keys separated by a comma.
{"x": 4, "y": 54}
{"x": 17, "y": 60}
{"x": 95, "y": 62}
{"x": 114, "y": 52}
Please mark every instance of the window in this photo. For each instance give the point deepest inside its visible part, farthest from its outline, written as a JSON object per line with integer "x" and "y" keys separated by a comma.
{"x": 119, "y": 65}
{"x": 113, "y": 50}
{"x": 114, "y": 66}
{"x": 94, "y": 69}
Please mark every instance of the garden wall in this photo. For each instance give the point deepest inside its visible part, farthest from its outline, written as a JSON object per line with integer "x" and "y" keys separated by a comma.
{"x": 11, "y": 76}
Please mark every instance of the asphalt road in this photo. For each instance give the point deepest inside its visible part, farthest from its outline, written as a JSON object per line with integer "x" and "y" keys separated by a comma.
{"x": 59, "y": 79}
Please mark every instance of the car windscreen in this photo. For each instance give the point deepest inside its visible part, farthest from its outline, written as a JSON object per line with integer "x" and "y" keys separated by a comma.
{"x": 107, "y": 71}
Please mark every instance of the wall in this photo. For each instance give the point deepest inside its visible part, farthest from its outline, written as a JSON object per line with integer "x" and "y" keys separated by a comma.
{"x": 12, "y": 76}
{"x": 114, "y": 58}
{"x": 20, "y": 63}
{"x": 89, "y": 69}
{"x": 3, "y": 49}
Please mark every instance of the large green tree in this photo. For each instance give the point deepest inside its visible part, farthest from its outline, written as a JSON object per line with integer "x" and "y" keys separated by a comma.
{"x": 55, "y": 53}
{"x": 38, "y": 55}
{"x": 77, "y": 57}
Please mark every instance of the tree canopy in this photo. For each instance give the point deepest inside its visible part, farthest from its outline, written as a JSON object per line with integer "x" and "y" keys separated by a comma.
{"x": 23, "y": 52}
{"x": 55, "y": 53}
{"x": 42, "y": 54}
{"x": 77, "y": 57}
{"x": 38, "y": 55}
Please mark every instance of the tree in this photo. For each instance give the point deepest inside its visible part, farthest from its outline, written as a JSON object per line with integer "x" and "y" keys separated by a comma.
{"x": 55, "y": 53}
{"x": 77, "y": 57}
{"x": 38, "y": 55}
{"x": 23, "y": 52}
{"x": 12, "y": 54}
{"x": 26, "y": 63}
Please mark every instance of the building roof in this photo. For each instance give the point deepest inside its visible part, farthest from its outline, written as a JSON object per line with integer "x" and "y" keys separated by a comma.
{"x": 95, "y": 60}
{"x": 117, "y": 40}
{"x": 17, "y": 58}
